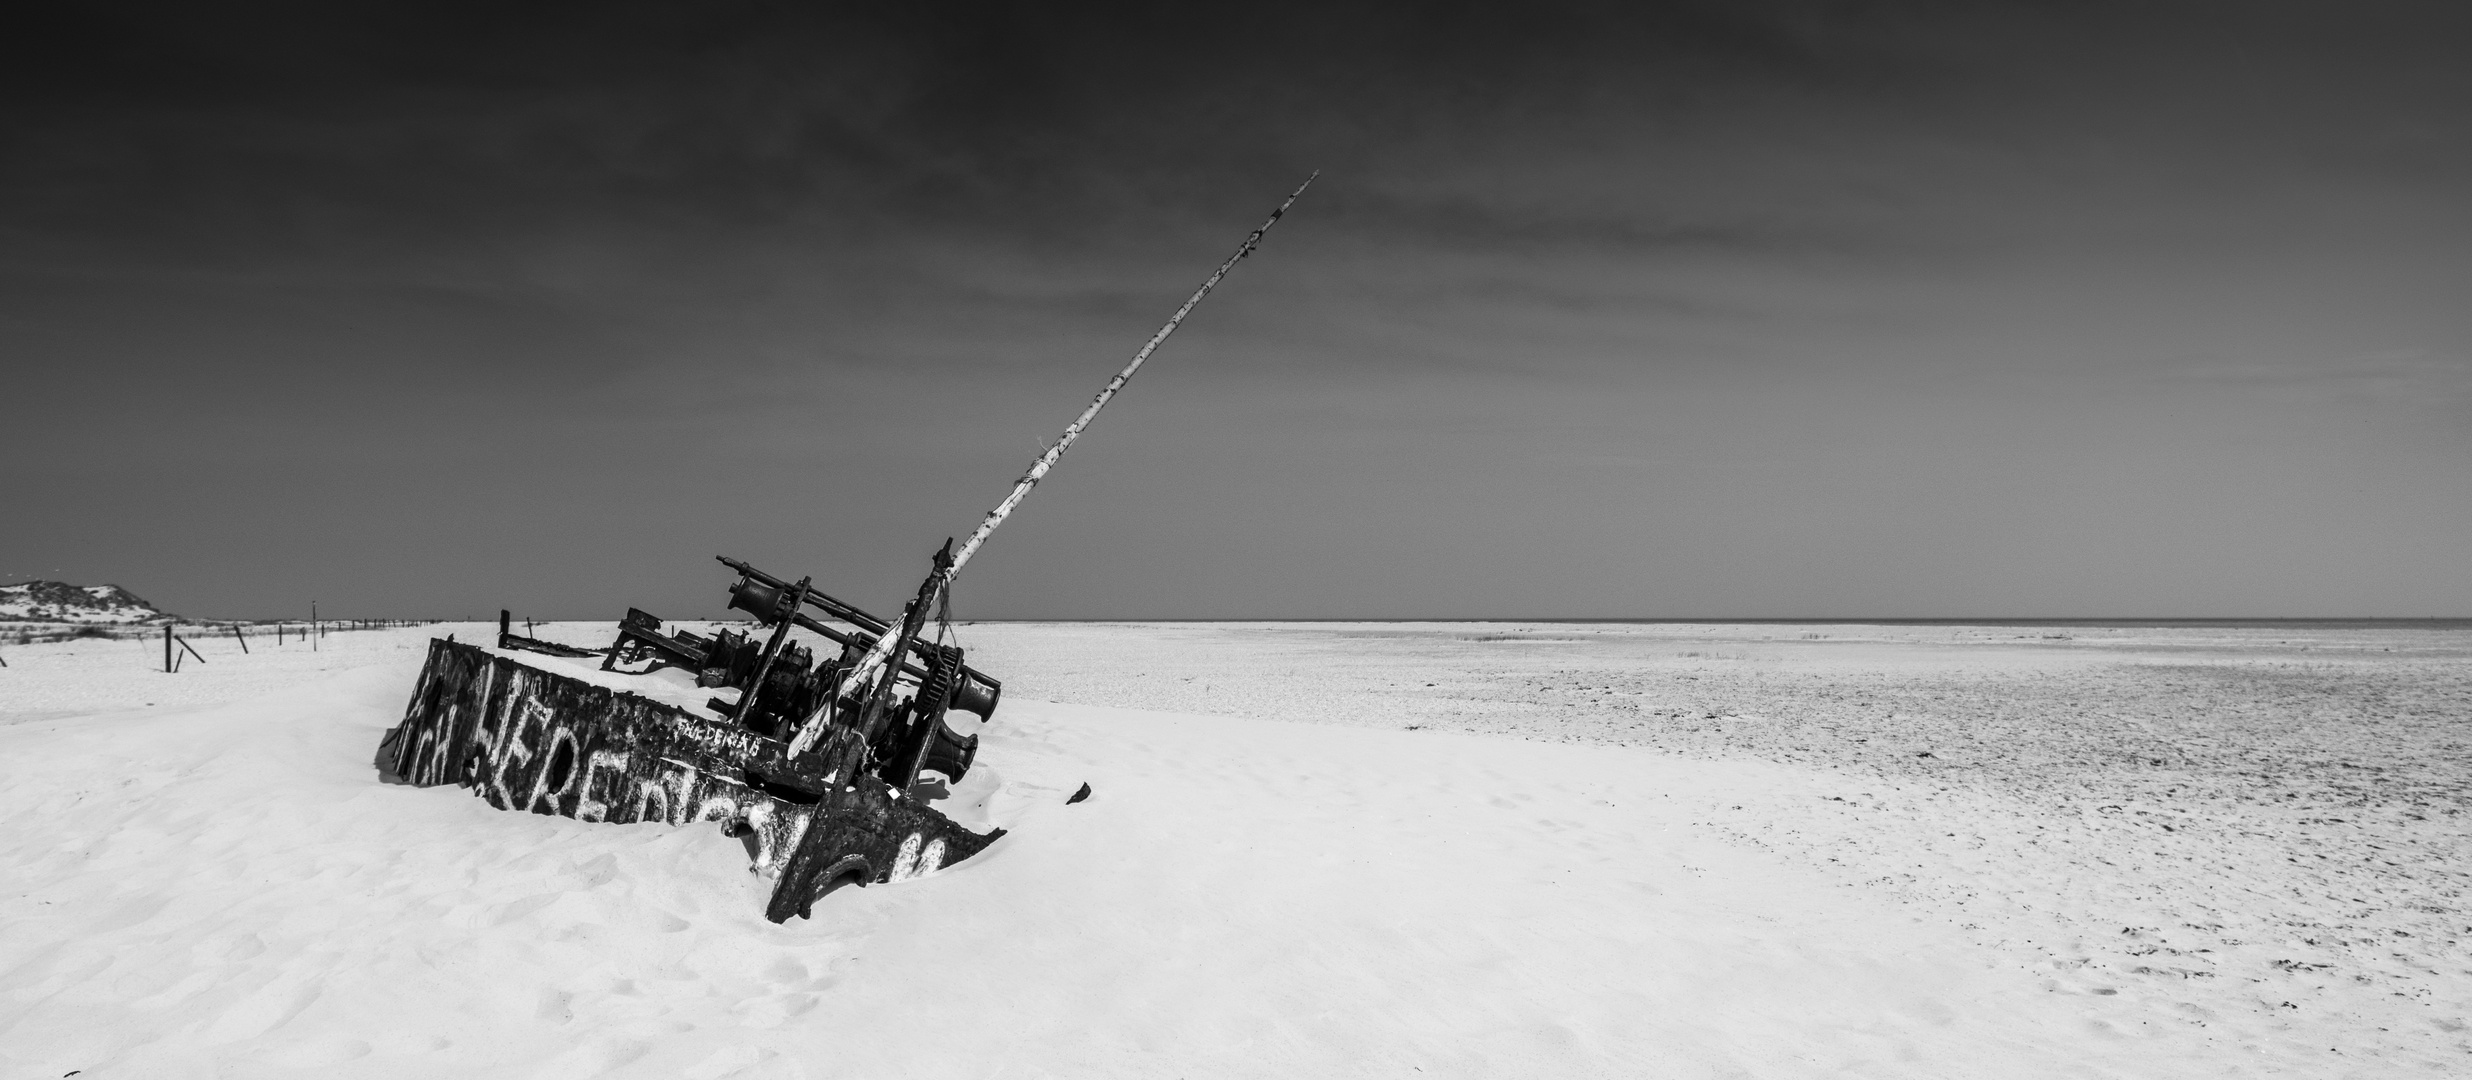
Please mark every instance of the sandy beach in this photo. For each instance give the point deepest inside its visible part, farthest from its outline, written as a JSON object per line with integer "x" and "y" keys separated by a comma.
{"x": 2226, "y": 820}
{"x": 330, "y": 319}
{"x": 1413, "y": 849}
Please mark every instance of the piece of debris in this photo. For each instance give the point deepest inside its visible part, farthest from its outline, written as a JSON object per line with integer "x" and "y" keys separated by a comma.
{"x": 1078, "y": 796}
{"x": 509, "y": 639}
{"x": 814, "y": 762}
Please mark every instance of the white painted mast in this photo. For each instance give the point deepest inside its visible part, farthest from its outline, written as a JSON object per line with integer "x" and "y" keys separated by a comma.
{"x": 872, "y": 664}
{"x": 1046, "y": 461}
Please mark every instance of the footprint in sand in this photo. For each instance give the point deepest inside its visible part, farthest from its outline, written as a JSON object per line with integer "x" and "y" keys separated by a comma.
{"x": 598, "y": 1056}
{"x": 728, "y": 1062}
{"x": 271, "y": 1006}
{"x": 165, "y": 996}
{"x": 774, "y": 1011}
{"x": 316, "y": 1053}
{"x": 228, "y": 948}
{"x": 516, "y": 909}
{"x": 655, "y": 920}
{"x": 555, "y": 1006}
{"x": 128, "y": 913}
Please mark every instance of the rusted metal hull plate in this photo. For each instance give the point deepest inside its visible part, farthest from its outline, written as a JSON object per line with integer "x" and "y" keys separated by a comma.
{"x": 527, "y": 739}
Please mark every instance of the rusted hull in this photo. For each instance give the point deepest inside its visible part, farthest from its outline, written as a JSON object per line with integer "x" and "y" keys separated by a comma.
{"x": 527, "y": 739}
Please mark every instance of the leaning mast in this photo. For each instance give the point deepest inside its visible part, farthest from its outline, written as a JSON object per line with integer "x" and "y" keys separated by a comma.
{"x": 881, "y": 652}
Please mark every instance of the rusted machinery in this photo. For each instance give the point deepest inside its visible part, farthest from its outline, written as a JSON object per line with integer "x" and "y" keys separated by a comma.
{"x": 550, "y": 737}
{"x": 816, "y": 762}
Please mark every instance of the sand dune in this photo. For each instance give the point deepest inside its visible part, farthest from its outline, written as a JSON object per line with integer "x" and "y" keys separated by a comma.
{"x": 1343, "y": 871}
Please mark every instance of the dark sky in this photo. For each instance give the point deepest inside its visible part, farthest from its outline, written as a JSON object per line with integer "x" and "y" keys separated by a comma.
{"x": 1642, "y": 310}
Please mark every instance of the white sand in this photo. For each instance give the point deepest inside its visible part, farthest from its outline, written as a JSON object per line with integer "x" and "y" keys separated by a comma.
{"x": 197, "y": 888}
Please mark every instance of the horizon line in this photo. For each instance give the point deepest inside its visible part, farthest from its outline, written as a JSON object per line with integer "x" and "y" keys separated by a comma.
{"x": 1794, "y": 620}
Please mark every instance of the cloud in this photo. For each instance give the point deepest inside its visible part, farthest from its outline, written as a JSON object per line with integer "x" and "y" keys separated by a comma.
{"x": 808, "y": 241}
{"x": 2391, "y": 377}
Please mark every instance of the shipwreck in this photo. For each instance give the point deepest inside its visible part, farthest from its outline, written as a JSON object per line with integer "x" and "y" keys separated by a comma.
{"x": 819, "y": 760}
